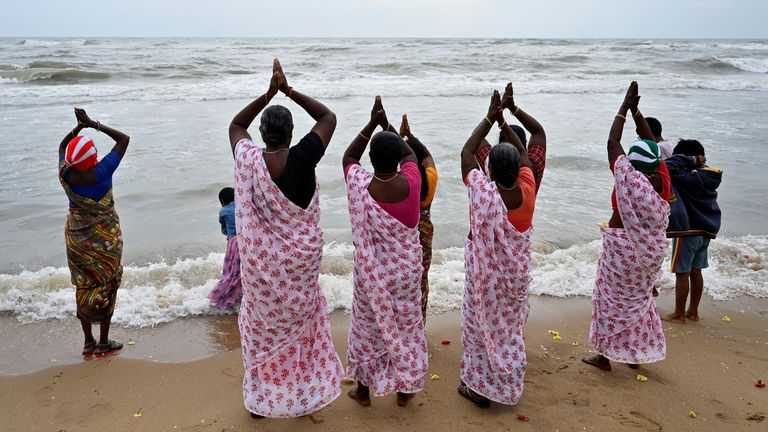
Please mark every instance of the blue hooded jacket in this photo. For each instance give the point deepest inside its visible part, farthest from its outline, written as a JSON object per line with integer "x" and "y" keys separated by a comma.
{"x": 693, "y": 205}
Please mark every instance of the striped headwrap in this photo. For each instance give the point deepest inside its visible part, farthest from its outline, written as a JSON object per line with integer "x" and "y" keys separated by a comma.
{"x": 81, "y": 153}
{"x": 645, "y": 156}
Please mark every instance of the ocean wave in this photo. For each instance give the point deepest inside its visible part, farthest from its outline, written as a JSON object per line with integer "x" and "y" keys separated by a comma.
{"x": 747, "y": 64}
{"x": 727, "y": 64}
{"x": 162, "y": 292}
{"x": 52, "y": 75}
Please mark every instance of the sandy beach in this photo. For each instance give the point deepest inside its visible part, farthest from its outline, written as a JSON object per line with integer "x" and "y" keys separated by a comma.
{"x": 711, "y": 369}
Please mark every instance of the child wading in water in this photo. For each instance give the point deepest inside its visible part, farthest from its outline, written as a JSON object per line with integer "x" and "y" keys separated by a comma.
{"x": 228, "y": 291}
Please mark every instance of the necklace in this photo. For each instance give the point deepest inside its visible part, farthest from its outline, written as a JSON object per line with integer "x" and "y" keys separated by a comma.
{"x": 513, "y": 187}
{"x": 387, "y": 180}
{"x": 275, "y": 151}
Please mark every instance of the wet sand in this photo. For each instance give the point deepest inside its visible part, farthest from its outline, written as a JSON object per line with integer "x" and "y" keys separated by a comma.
{"x": 711, "y": 369}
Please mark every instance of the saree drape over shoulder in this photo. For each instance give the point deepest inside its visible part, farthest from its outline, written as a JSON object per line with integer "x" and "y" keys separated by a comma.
{"x": 94, "y": 249}
{"x": 291, "y": 366}
{"x": 387, "y": 346}
{"x": 626, "y": 327}
{"x": 497, "y": 261}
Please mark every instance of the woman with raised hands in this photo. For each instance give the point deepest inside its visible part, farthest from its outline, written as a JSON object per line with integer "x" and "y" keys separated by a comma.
{"x": 291, "y": 366}
{"x": 92, "y": 232}
{"x": 626, "y": 326}
{"x": 497, "y": 256}
{"x": 387, "y": 346}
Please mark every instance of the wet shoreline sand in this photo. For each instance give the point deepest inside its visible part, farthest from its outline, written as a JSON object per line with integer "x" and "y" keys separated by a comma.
{"x": 187, "y": 375}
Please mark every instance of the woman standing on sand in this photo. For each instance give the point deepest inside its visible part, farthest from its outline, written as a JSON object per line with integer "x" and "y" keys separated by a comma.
{"x": 387, "y": 346}
{"x": 497, "y": 257}
{"x": 626, "y": 327}
{"x": 428, "y": 173}
{"x": 291, "y": 365}
{"x": 92, "y": 231}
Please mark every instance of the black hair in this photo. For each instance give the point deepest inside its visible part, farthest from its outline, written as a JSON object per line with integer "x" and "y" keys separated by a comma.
{"x": 518, "y": 131}
{"x": 276, "y": 126}
{"x": 385, "y": 151}
{"x": 227, "y": 195}
{"x": 655, "y": 126}
{"x": 689, "y": 148}
{"x": 420, "y": 151}
{"x": 504, "y": 162}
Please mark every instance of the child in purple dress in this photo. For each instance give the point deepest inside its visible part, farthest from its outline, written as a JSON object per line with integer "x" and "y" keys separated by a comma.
{"x": 228, "y": 291}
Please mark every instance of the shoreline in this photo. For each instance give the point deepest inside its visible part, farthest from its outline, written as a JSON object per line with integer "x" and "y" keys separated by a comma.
{"x": 711, "y": 369}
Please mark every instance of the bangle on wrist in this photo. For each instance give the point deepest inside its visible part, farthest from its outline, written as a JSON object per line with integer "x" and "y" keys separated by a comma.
{"x": 98, "y": 126}
{"x": 289, "y": 93}
{"x": 637, "y": 114}
{"x": 621, "y": 117}
{"x": 503, "y": 125}
{"x": 366, "y": 138}
{"x": 515, "y": 109}
{"x": 490, "y": 123}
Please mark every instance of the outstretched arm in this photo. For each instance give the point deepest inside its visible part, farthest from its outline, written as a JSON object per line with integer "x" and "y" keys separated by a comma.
{"x": 325, "y": 119}
{"x": 468, "y": 159}
{"x": 358, "y": 145}
{"x": 538, "y": 136}
{"x": 121, "y": 139}
{"x": 69, "y": 137}
{"x": 238, "y": 128}
{"x": 642, "y": 128}
{"x": 617, "y": 128}
{"x": 509, "y": 134}
{"x": 405, "y": 132}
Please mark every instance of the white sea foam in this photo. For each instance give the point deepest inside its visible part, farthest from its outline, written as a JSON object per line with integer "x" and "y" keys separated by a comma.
{"x": 163, "y": 292}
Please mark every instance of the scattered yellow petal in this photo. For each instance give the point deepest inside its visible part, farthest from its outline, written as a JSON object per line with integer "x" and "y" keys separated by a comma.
{"x": 692, "y": 414}
{"x": 434, "y": 377}
{"x": 556, "y": 337}
{"x": 130, "y": 342}
{"x": 726, "y": 318}
{"x": 641, "y": 378}
{"x": 575, "y": 344}
{"x": 137, "y": 413}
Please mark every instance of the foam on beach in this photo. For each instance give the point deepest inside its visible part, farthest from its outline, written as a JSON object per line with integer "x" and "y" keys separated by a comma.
{"x": 165, "y": 291}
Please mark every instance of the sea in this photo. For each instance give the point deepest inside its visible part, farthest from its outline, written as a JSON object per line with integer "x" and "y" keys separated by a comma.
{"x": 176, "y": 97}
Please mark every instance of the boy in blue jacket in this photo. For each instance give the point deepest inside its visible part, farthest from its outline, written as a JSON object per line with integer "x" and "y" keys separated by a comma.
{"x": 694, "y": 220}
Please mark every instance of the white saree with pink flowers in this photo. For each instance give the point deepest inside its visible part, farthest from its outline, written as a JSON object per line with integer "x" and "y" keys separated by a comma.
{"x": 387, "y": 346}
{"x": 497, "y": 261}
{"x": 626, "y": 326}
{"x": 291, "y": 366}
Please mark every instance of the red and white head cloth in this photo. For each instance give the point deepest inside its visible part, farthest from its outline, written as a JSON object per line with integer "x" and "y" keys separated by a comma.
{"x": 81, "y": 153}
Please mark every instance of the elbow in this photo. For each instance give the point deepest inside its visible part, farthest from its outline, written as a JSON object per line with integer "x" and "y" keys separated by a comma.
{"x": 332, "y": 119}
{"x": 125, "y": 140}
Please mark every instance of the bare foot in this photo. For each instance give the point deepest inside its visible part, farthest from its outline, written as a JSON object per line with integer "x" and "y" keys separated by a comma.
{"x": 403, "y": 398}
{"x": 633, "y": 366}
{"x": 360, "y": 395}
{"x": 674, "y": 318}
{"x": 692, "y": 316}
{"x": 598, "y": 361}
{"x": 256, "y": 416}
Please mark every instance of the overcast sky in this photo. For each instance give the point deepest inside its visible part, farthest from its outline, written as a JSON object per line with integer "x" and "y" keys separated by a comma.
{"x": 388, "y": 18}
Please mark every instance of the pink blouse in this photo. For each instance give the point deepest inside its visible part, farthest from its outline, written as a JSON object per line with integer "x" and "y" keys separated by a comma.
{"x": 407, "y": 210}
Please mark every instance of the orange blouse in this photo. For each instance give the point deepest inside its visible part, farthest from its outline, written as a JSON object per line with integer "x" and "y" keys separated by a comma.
{"x": 522, "y": 217}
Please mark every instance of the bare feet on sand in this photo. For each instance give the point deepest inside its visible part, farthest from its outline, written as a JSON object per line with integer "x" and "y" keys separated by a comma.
{"x": 692, "y": 316}
{"x": 360, "y": 395}
{"x": 598, "y": 361}
{"x": 633, "y": 366}
{"x": 674, "y": 318}
{"x": 403, "y": 398}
